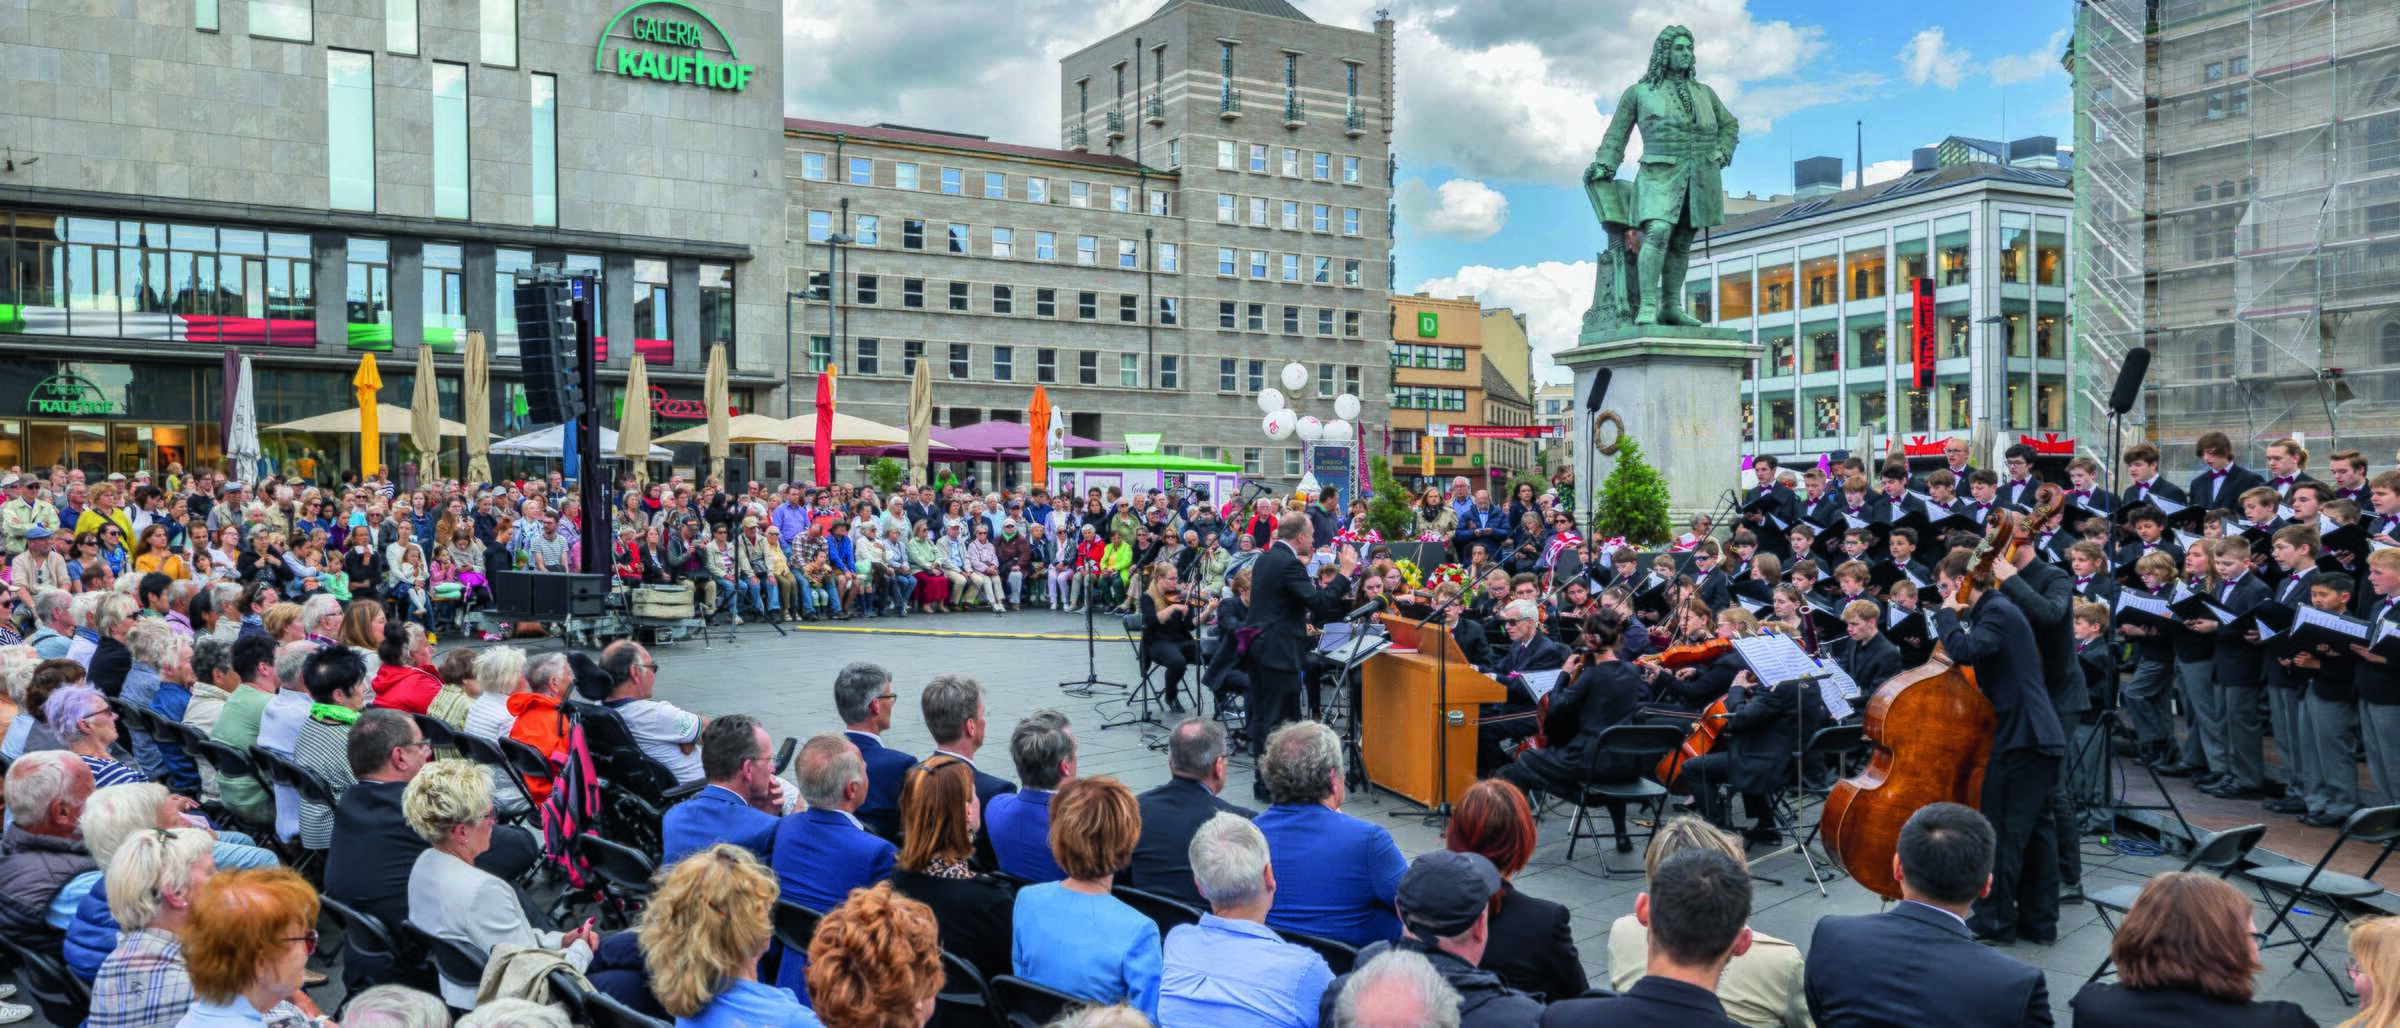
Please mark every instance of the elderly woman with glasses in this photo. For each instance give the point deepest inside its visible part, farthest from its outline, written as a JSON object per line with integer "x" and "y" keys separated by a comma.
{"x": 80, "y": 716}
{"x": 449, "y": 803}
{"x": 246, "y": 943}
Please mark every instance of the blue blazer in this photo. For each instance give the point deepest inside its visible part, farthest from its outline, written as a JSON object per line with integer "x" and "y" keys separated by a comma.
{"x": 1019, "y": 826}
{"x": 715, "y": 815}
{"x": 1927, "y": 961}
{"x": 887, "y": 769}
{"x": 819, "y": 857}
{"x": 1335, "y": 875}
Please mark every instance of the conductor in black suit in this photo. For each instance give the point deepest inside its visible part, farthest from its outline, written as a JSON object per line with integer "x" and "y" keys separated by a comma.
{"x": 1162, "y": 862}
{"x": 2219, "y": 486}
{"x": 1281, "y": 600}
{"x": 1925, "y": 965}
{"x": 1697, "y": 911}
{"x": 2027, "y": 746}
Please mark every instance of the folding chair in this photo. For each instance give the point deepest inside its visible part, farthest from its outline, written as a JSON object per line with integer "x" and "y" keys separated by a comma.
{"x": 1167, "y": 913}
{"x": 455, "y": 960}
{"x": 1027, "y": 1004}
{"x": 310, "y": 785}
{"x": 234, "y": 765}
{"x": 966, "y": 1000}
{"x": 1624, "y": 745}
{"x": 1339, "y": 955}
{"x": 795, "y": 925}
{"x": 1144, "y": 695}
{"x": 627, "y": 876}
{"x": 436, "y": 731}
{"x": 2375, "y": 826}
{"x": 367, "y": 943}
{"x": 2220, "y": 852}
{"x": 489, "y": 754}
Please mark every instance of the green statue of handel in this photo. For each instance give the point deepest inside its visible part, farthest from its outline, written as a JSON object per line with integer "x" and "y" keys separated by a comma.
{"x": 1687, "y": 137}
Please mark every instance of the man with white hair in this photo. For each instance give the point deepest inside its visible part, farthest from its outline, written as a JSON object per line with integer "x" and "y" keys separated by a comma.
{"x": 42, "y": 850}
{"x": 1231, "y": 968}
{"x": 823, "y": 852}
{"x": 153, "y": 645}
{"x": 322, "y": 616}
{"x": 280, "y": 723}
{"x": 85, "y": 638}
{"x": 1396, "y": 990}
{"x": 54, "y": 623}
{"x": 1171, "y": 813}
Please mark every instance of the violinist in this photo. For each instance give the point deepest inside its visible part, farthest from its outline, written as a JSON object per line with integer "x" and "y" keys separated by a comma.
{"x": 1527, "y": 652}
{"x": 1752, "y": 756}
{"x": 1577, "y": 601}
{"x": 1696, "y": 685}
{"x": 1790, "y": 615}
{"x": 1167, "y": 621}
{"x": 1597, "y": 692}
{"x": 1637, "y": 636}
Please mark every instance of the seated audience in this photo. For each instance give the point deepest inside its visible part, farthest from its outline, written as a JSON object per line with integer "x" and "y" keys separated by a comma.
{"x": 743, "y": 801}
{"x": 1336, "y": 875}
{"x": 83, "y": 720}
{"x": 1697, "y": 911}
{"x": 499, "y": 675}
{"x": 939, "y": 815}
{"x": 1925, "y": 956}
{"x": 1172, "y": 812}
{"x": 864, "y": 696}
{"x": 1761, "y": 987}
{"x": 110, "y": 817}
{"x": 280, "y": 724}
{"x": 702, "y": 935}
{"x": 1043, "y": 748}
{"x": 822, "y": 852}
{"x": 151, "y": 882}
{"x": 237, "y": 725}
{"x": 159, "y": 655}
{"x": 1231, "y": 968}
{"x": 406, "y": 679}
{"x": 1071, "y": 935}
{"x": 668, "y": 733}
{"x": 213, "y": 683}
{"x": 540, "y": 717}
{"x": 2185, "y": 956}
{"x": 1445, "y": 904}
{"x": 953, "y": 708}
{"x": 874, "y": 961}
{"x": 246, "y": 944}
{"x": 42, "y": 849}
{"x": 1397, "y": 987}
{"x": 337, "y": 691}
{"x": 1533, "y": 945}
{"x": 449, "y": 803}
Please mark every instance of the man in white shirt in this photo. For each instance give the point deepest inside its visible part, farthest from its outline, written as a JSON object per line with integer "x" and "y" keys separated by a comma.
{"x": 668, "y": 733}
{"x": 279, "y": 726}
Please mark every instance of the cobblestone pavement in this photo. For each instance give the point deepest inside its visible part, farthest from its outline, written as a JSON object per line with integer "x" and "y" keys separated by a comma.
{"x": 1021, "y": 659}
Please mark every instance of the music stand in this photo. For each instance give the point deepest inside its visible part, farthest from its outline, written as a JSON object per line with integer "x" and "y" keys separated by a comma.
{"x": 1091, "y": 679}
{"x": 1803, "y": 678}
{"x": 1353, "y": 656}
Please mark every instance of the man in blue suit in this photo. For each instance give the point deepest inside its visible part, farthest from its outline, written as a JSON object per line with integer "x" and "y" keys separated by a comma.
{"x": 822, "y": 853}
{"x": 743, "y": 802}
{"x": 1929, "y": 967}
{"x": 1018, "y": 823}
{"x": 864, "y": 697}
{"x": 954, "y": 713}
{"x": 1336, "y": 876}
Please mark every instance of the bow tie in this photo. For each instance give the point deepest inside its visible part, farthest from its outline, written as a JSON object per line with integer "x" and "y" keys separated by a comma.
{"x": 2282, "y": 480}
{"x": 2080, "y": 494}
{"x": 2141, "y": 487}
{"x": 2214, "y": 475}
{"x": 1982, "y": 505}
{"x": 2019, "y": 483}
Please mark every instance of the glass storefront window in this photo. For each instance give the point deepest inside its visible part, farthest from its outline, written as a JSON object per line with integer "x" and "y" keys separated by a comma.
{"x": 716, "y": 308}
{"x": 445, "y": 300}
{"x": 505, "y": 264}
{"x": 1954, "y": 330}
{"x": 2050, "y": 405}
{"x": 152, "y": 281}
{"x": 2047, "y": 343}
{"x": 591, "y": 265}
{"x": 2013, "y": 329}
{"x": 1870, "y": 411}
{"x": 2016, "y": 241}
{"x": 1821, "y": 347}
{"x": 2049, "y": 250}
{"x": 653, "y": 312}
{"x": 1779, "y": 417}
{"x": 2020, "y": 399}
{"x": 1908, "y": 251}
{"x": 1824, "y": 407}
{"x": 1919, "y": 417}
{"x": 1733, "y": 295}
{"x": 367, "y": 296}
{"x": 90, "y": 276}
{"x": 1695, "y": 300}
{"x": 1954, "y": 401}
{"x": 1780, "y": 356}
{"x": 1867, "y": 341}
{"x": 1820, "y": 274}
{"x": 1863, "y": 266}
{"x": 1952, "y": 249}
{"x": 1775, "y": 282}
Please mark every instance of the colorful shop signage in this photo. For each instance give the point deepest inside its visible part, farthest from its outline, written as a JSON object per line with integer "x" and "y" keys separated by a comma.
{"x": 671, "y": 41}
{"x": 72, "y": 395}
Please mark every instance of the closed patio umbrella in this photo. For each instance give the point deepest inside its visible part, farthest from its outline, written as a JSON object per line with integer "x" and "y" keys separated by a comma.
{"x": 716, "y": 398}
{"x": 633, "y": 424}
{"x": 365, "y": 384}
{"x": 424, "y": 417}
{"x": 476, "y": 393}
{"x": 920, "y": 421}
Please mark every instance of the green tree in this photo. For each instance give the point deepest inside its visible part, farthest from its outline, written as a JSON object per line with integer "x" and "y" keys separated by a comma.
{"x": 1387, "y": 512}
{"x": 886, "y": 474}
{"x": 1632, "y": 501}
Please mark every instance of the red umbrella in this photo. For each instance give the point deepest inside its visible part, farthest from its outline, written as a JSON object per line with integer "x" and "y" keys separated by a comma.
{"x": 824, "y": 444}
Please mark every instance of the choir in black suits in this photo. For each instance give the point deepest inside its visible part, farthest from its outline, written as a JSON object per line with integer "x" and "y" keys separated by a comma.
{"x": 2213, "y": 489}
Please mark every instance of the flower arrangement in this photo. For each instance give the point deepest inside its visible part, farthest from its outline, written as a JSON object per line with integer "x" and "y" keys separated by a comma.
{"x": 1409, "y": 575}
{"x": 1432, "y": 537}
{"x": 1447, "y": 573}
{"x": 1358, "y": 538}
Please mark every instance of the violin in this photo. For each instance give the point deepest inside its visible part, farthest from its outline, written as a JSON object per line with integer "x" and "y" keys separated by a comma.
{"x": 1686, "y": 656}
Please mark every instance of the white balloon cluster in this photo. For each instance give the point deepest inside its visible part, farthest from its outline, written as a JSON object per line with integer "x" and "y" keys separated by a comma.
{"x": 1282, "y": 422}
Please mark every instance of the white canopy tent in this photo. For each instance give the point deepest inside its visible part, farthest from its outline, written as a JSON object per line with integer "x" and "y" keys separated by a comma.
{"x": 551, "y": 442}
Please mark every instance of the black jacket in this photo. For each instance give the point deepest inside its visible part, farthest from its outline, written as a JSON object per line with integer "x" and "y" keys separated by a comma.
{"x": 2213, "y": 491}
{"x": 1471, "y": 640}
{"x": 1927, "y": 969}
{"x": 2139, "y": 493}
{"x": 976, "y": 917}
{"x": 1281, "y": 599}
{"x": 1869, "y": 665}
{"x": 1532, "y": 946}
{"x": 1653, "y": 1000}
{"x": 1541, "y": 654}
{"x": 374, "y": 851}
{"x": 1171, "y": 813}
{"x": 2238, "y": 662}
{"x": 1484, "y": 1001}
{"x": 1605, "y": 694}
{"x": 2108, "y": 1003}
{"x": 1763, "y": 734}
{"x": 2046, "y": 596}
{"x": 2019, "y": 495}
{"x": 110, "y": 663}
{"x": 1997, "y": 643}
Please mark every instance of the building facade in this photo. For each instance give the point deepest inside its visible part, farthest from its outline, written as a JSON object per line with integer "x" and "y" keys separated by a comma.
{"x": 1508, "y": 348}
{"x": 2242, "y": 195}
{"x": 370, "y": 180}
{"x": 1824, "y": 285}
{"x": 1554, "y": 408}
{"x": 1443, "y": 376}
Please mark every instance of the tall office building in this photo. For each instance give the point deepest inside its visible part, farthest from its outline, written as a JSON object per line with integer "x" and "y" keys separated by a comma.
{"x": 2240, "y": 198}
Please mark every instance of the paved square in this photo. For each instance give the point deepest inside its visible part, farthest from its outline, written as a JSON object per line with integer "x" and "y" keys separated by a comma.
{"x": 1021, "y": 658}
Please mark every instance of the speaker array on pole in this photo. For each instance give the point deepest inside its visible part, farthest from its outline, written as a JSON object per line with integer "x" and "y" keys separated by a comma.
{"x": 546, "y": 344}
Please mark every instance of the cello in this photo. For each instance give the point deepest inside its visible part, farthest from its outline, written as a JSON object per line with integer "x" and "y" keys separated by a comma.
{"x": 1930, "y": 731}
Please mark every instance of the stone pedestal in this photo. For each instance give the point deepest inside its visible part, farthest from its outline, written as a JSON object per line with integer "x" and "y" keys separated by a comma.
{"x": 1678, "y": 389}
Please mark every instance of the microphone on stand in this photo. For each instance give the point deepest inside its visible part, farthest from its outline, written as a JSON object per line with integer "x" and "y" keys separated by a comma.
{"x": 1372, "y": 606}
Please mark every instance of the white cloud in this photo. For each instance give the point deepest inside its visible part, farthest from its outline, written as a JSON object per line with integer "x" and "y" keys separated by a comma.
{"x": 1879, "y": 171}
{"x": 1460, "y": 208}
{"x": 2039, "y": 63}
{"x": 1928, "y": 57}
{"x": 1552, "y": 295}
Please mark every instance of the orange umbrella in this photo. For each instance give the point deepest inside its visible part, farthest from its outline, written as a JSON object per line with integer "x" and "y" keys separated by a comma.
{"x": 1037, "y": 435}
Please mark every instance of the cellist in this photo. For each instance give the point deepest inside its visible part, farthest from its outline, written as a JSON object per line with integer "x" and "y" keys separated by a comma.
{"x": 1989, "y": 635}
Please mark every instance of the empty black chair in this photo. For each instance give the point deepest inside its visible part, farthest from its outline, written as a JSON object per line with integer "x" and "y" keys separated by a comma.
{"x": 368, "y": 944}
{"x": 1027, "y": 1004}
{"x": 62, "y": 997}
{"x": 436, "y": 731}
{"x": 1626, "y": 745}
{"x": 627, "y": 875}
{"x": 1167, "y": 913}
{"x": 234, "y": 765}
{"x": 283, "y": 771}
{"x": 2328, "y": 890}
{"x": 621, "y": 758}
{"x": 454, "y": 959}
{"x": 1339, "y": 955}
{"x": 2220, "y": 852}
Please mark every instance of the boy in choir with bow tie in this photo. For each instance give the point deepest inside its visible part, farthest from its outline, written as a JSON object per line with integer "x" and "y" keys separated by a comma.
{"x": 1984, "y": 487}
{"x": 2090, "y": 565}
{"x": 2083, "y": 476}
{"x": 2295, "y": 552}
{"x": 2384, "y": 495}
{"x": 2153, "y": 668}
{"x": 2377, "y": 680}
{"x": 2222, "y": 479}
{"x": 2287, "y": 465}
{"x": 2328, "y": 716}
{"x": 2144, "y": 483}
{"x": 2150, "y": 533}
{"x": 1943, "y": 487}
{"x": 2350, "y": 475}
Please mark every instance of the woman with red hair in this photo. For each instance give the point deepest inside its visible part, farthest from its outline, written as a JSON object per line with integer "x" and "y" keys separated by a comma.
{"x": 1532, "y": 947}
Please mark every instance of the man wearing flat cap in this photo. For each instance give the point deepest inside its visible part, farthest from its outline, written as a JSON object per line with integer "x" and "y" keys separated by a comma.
{"x": 1444, "y": 904}
{"x": 24, "y": 510}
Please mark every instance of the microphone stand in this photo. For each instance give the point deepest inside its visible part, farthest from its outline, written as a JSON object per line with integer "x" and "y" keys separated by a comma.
{"x": 1346, "y": 694}
{"x": 2112, "y": 802}
{"x": 1439, "y": 813}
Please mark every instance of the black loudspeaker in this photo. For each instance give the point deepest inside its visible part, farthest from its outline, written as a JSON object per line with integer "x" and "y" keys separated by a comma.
{"x": 550, "y": 595}
{"x": 1591, "y": 401}
{"x": 546, "y": 345}
{"x": 2129, "y": 380}
{"x": 512, "y": 591}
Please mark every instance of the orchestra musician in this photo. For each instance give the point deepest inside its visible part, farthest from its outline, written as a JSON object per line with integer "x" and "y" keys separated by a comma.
{"x": 1753, "y": 754}
{"x": 1282, "y": 597}
{"x": 1168, "y": 617}
{"x": 1599, "y": 692}
{"x": 1694, "y": 686}
{"x": 1527, "y": 651}
{"x": 1996, "y": 642}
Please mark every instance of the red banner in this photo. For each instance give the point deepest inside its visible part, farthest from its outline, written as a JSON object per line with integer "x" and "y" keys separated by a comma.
{"x": 1922, "y": 338}
{"x": 1496, "y": 431}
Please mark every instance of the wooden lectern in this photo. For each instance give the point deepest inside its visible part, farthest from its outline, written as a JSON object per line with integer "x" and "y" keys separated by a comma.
{"x": 1401, "y": 713}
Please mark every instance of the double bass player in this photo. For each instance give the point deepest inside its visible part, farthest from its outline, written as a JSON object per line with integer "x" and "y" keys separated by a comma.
{"x": 1996, "y": 641}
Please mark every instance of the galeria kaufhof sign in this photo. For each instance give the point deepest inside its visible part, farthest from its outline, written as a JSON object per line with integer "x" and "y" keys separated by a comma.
{"x": 671, "y": 41}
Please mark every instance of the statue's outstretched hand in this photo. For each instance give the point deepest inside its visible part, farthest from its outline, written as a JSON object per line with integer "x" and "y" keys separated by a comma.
{"x": 1599, "y": 172}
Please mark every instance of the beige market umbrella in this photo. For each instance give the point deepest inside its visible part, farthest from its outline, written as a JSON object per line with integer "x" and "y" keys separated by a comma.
{"x": 346, "y": 421}
{"x": 920, "y": 421}
{"x": 633, "y": 423}
{"x": 424, "y": 409}
{"x": 743, "y": 430}
{"x": 476, "y": 392}
{"x": 714, "y": 395}
{"x": 848, "y": 429}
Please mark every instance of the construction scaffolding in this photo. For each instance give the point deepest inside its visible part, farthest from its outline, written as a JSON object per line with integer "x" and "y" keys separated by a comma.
{"x": 2269, "y": 232}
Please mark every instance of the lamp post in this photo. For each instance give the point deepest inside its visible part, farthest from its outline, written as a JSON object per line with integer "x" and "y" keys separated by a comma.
{"x": 790, "y": 370}
{"x": 833, "y": 289}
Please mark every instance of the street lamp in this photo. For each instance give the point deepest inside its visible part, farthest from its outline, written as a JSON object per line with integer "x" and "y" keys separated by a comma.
{"x": 812, "y": 294}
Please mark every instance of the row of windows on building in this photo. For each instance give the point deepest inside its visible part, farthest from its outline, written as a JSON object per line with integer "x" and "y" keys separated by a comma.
{"x": 239, "y": 285}
{"x": 2030, "y": 251}
{"x": 350, "y": 146}
{"x": 1289, "y": 162}
{"x": 1427, "y": 357}
{"x": 988, "y": 185}
{"x": 2032, "y": 403}
{"x": 1295, "y": 216}
{"x": 296, "y": 21}
{"x": 1045, "y": 365}
{"x": 1862, "y": 341}
{"x": 1088, "y": 305}
{"x": 1229, "y": 98}
{"x": 958, "y": 239}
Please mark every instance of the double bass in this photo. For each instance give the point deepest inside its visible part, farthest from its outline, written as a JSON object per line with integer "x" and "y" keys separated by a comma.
{"x": 1930, "y": 731}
